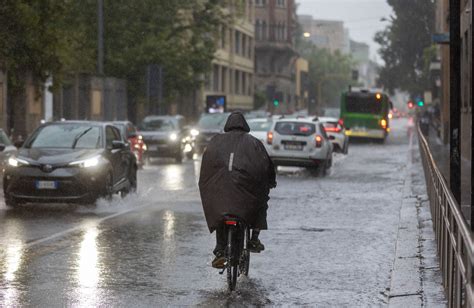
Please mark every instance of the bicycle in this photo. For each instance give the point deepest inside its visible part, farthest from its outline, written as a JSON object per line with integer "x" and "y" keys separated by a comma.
{"x": 236, "y": 253}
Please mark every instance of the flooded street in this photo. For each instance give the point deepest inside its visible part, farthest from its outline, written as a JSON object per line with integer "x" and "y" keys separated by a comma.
{"x": 331, "y": 241}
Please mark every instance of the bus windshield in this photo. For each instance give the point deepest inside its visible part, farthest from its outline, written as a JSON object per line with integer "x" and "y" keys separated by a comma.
{"x": 363, "y": 104}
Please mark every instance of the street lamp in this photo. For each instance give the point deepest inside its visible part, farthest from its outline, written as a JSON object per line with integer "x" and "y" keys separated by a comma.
{"x": 307, "y": 35}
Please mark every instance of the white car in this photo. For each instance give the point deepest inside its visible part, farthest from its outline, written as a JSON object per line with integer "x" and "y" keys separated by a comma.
{"x": 259, "y": 129}
{"x": 337, "y": 134}
{"x": 300, "y": 143}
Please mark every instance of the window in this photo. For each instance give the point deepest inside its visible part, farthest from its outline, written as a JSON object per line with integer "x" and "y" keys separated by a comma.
{"x": 264, "y": 31}
{"x": 249, "y": 49}
{"x": 224, "y": 80}
{"x": 281, "y": 3}
{"x": 244, "y": 45}
{"x": 258, "y": 28}
{"x": 237, "y": 82}
{"x": 260, "y": 2}
{"x": 237, "y": 42}
{"x": 111, "y": 135}
{"x": 223, "y": 37}
{"x": 215, "y": 78}
{"x": 244, "y": 83}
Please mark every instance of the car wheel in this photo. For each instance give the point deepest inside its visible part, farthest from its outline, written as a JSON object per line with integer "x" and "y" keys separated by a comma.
{"x": 132, "y": 179}
{"x": 190, "y": 154}
{"x": 108, "y": 189}
{"x": 179, "y": 157}
{"x": 346, "y": 148}
{"x": 10, "y": 202}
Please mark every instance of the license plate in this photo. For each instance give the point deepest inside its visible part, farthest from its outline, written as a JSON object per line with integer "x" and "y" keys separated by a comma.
{"x": 46, "y": 185}
{"x": 294, "y": 147}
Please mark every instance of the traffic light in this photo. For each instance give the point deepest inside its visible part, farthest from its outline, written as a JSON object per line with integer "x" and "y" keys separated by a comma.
{"x": 410, "y": 105}
{"x": 277, "y": 98}
{"x": 421, "y": 103}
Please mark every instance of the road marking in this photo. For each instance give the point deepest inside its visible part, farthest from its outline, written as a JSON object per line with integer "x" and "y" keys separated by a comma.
{"x": 80, "y": 228}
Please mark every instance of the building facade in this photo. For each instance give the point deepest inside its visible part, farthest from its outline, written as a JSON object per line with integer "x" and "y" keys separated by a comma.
{"x": 326, "y": 34}
{"x": 275, "y": 54}
{"x": 232, "y": 75}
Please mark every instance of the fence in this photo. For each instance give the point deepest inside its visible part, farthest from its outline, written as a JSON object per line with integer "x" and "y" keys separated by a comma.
{"x": 454, "y": 238}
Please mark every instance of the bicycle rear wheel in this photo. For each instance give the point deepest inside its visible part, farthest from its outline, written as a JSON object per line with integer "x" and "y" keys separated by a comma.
{"x": 232, "y": 265}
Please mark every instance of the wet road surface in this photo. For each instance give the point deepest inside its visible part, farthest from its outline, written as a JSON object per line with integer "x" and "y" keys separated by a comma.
{"x": 331, "y": 240}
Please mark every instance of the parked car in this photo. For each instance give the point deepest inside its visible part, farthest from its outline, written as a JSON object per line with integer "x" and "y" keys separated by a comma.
{"x": 7, "y": 149}
{"x": 300, "y": 143}
{"x": 130, "y": 133}
{"x": 337, "y": 134}
{"x": 209, "y": 125}
{"x": 70, "y": 161}
{"x": 163, "y": 136}
{"x": 259, "y": 129}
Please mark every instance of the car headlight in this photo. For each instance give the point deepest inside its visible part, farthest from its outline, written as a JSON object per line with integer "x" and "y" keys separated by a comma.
{"x": 87, "y": 163}
{"x": 194, "y": 132}
{"x": 173, "y": 137}
{"x": 16, "y": 162}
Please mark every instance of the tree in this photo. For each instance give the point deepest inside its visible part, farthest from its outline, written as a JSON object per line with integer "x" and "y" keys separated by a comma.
{"x": 31, "y": 41}
{"x": 178, "y": 35}
{"x": 330, "y": 72}
{"x": 404, "y": 43}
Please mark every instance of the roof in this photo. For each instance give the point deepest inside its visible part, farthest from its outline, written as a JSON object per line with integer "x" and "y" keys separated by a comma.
{"x": 328, "y": 119}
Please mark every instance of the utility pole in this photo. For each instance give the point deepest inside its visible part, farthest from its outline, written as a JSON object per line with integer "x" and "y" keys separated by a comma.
{"x": 100, "y": 38}
{"x": 455, "y": 98}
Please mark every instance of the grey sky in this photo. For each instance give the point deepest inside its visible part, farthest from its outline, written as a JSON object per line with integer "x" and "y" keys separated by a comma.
{"x": 362, "y": 17}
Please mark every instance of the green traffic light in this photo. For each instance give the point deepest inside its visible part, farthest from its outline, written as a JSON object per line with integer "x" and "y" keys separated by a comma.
{"x": 421, "y": 103}
{"x": 276, "y": 103}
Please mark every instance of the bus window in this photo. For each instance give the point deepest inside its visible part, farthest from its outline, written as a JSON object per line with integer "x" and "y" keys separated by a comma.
{"x": 364, "y": 104}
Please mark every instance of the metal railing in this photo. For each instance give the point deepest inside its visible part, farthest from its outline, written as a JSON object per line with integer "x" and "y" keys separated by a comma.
{"x": 454, "y": 238}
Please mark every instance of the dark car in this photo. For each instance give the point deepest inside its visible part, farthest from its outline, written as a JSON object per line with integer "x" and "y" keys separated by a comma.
{"x": 209, "y": 125}
{"x": 130, "y": 134}
{"x": 75, "y": 162}
{"x": 7, "y": 149}
{"x": 163, "y": 136}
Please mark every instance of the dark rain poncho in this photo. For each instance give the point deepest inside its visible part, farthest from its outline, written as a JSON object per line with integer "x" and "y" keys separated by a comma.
{"x": 236, "y": 176}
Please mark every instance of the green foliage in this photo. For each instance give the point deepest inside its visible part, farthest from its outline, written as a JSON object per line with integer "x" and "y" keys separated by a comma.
{"x": 31, "y": 40}
{"x": 176, "y": 34}
{"x": 55, "y": 37}
{"x": 405, "y": 46}
{"x": 330, "y": 71}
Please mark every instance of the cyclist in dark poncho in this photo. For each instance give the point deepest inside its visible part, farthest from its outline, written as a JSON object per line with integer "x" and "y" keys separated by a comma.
{"x": 236, "y": 177}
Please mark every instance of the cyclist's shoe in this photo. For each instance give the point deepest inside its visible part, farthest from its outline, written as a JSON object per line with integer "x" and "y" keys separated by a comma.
{"x": 255, "y": 246}
{"x": 219, "y": 260}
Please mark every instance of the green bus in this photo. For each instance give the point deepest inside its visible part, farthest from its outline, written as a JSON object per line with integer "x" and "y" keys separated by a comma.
{"x": 365, "y": 114}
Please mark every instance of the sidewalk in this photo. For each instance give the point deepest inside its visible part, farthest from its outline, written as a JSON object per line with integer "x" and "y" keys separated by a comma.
{"x": 416, "y": 279}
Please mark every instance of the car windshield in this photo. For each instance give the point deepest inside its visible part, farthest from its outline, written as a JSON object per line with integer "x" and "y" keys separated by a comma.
{"x": 363, "y": 104}
{"x": 150, "y": 125}
{"x": 295, "y": 128}
{"x": 4, "y": 139}
{"x": 259, "y": 126}
{"x": 213, "y": 121}
{"x": 67, "y": 136}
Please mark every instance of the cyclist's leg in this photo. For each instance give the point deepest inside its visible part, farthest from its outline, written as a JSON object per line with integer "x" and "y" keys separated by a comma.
{"x": 255, "y": 245}
{"x": 221, "y": 242}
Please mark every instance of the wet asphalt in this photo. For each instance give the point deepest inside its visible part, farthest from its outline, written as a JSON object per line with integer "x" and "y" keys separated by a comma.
{"x": 331, "y": 240}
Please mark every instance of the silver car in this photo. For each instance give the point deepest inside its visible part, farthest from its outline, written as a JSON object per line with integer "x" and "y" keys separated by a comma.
{"x": 337, "y": 134}
{"x": 300, "y": 143}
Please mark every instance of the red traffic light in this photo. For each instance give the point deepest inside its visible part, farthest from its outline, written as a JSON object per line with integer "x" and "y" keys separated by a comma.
{"x": 411, "y": 105}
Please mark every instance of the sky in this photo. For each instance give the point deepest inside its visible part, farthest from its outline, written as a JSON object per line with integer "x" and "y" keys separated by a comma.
{"x": 361, "y": 17}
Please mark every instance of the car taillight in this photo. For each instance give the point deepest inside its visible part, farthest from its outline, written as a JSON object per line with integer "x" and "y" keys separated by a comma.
{"x": 341, "y": 122}
{"x": 270, "y": 137}
{"x": 332, "y": 129}
{"x": 319, "y": 141}
{"x": 383, "y": 123}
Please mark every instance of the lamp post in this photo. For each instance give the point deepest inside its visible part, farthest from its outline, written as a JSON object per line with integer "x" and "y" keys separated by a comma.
{"x": 100, "y": 37}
